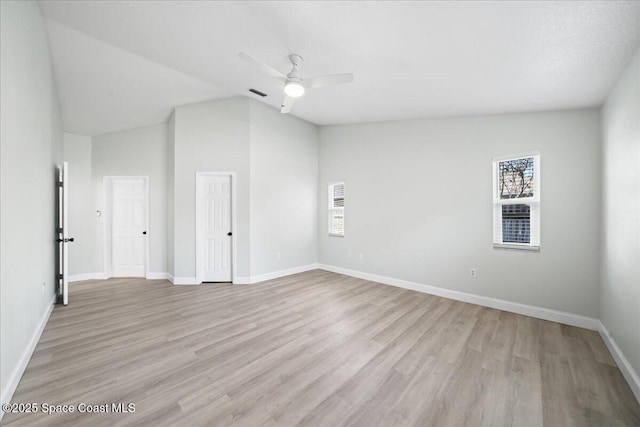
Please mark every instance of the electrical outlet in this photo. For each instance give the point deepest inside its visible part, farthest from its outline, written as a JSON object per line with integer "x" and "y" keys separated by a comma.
{"x": 361, "y": 255}
{"x": 348, "y": 254}
{"x": 278, "y": 255}
{"x": 473, "y": 272}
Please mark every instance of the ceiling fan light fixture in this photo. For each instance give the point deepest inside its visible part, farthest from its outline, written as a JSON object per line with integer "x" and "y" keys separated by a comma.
{"x": 294, "y": 89}
{"x": 294, "y": 85}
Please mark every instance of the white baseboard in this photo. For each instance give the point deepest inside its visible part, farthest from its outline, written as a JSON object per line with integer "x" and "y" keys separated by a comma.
{"x": 80, "y": 277}
{"x": 242, "y": 280}
{"x": 248, "y": 280}
{"x": 183, "y": 280}
{"x": 103, "y": 276}
{"x": 625, "y": 367}
{"x": 158, "y": 276}
{"x": 190, "y": 281}
{"x": 513, "y": 307}
{"x": 16, "y": 375}
{"x": 281, "y": 273}
{"x": 86, "y": 276}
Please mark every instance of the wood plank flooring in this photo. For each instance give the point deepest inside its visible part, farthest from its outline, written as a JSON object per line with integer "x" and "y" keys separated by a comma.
{"x": 314, "y": 349}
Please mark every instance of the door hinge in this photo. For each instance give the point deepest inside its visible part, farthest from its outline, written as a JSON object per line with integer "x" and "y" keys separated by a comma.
{"x": 60, "y": 184}
{"x": 60, "y": 276}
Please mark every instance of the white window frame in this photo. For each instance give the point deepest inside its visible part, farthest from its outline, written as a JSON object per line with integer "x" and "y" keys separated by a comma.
{"x": 533, "y": 202}
{"x": 332, "y": 209}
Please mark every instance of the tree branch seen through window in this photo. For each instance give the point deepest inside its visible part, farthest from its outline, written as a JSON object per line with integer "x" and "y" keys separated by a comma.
{"x": 516, "y": 178}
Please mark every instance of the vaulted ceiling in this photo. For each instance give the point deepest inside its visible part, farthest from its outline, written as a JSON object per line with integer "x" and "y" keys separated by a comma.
{"x": 125, "y": 64}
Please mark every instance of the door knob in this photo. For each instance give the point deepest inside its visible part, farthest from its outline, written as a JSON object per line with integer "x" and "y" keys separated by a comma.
{"x": 229, "y": 233}
{"x": 70, "y": 239}
{"x": 144, "y": 232}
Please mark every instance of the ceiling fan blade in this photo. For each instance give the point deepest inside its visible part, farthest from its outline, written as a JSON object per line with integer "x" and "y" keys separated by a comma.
{"x": 265, "y": 67}
{"x": 325, "y": 81}
{"x": 287, "y": 104}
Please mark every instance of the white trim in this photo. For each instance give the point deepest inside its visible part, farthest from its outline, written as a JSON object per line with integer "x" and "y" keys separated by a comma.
{"x": 515, "y": 156}
{"x": 16, "y": 375}
{"x": 517, "y": 246}
{"x": 513, "y": 307}
{"x": 64, "y": 255}
{"x": 282, "y": 273}
{"x": 158, "y": 276}
{"x": 107, "y": 199}
{"x": 184, "y": 280}
{"x": 103, "y": 276}
{"x": 86, "y": 276}
{"x": 623, "y": 364}
{"x": 242, "y": 280}
{"x": 234, "y": 257}
{"x": 250, "y": 280}
{"x": 106, "y": 225}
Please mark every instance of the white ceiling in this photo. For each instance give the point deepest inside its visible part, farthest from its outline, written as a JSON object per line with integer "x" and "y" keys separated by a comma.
{"x": 104, "y": 88}
{"x": 128, "y": 62}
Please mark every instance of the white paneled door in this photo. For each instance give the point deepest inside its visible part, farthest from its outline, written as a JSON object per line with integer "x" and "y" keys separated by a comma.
{"x": 129, "y": 227}
{"x": 214, "y": 228}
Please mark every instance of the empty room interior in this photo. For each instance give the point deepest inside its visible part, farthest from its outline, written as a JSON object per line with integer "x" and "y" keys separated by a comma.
{"x": 319, "y": 213}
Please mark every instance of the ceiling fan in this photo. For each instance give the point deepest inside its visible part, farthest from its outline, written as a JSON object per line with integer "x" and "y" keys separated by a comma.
{"x": 294, "y": 84}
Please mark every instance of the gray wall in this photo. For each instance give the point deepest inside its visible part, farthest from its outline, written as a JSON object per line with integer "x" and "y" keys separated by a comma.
{"x": 209, "y": 137}
{"x": 31, "y": 147}
{"x": 171, "y": 207}
{"x": 284, "y": 182}
{"x": 419, "y": 205}
{"x": 82, "y": 215}
{"x": 139, "y": 152}
{"x": 620, "y": 295}
{"x": 273, "y": 155}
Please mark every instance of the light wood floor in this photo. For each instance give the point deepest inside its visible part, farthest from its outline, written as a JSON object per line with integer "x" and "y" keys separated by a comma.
{"x": 315, "y": 348}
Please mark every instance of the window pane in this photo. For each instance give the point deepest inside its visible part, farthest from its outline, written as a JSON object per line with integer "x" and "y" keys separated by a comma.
{"x": 336, "y": 209}
{"x": 337, "y": 222}
{"x": 338, "y": 195}
{"x": 515, "y": 178}
{"x": 516, "y": 224}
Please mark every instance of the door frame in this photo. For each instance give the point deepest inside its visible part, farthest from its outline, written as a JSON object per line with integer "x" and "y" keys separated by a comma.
{"x": 232, "y": 177}
{"x": 62, "y": 228}
{"x": 107, "y": 226}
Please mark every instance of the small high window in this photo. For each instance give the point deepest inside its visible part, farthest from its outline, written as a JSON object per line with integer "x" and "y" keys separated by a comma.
{"x": 336, "y": 209}
{"x": 516, "y": 202}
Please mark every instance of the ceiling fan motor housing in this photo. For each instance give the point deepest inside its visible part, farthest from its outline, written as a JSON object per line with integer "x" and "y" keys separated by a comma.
{"x": 295, "y": 61}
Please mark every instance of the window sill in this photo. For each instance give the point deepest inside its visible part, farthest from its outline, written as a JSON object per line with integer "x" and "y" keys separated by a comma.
{"x": 336, "y": 235}
{"x": 516, "y": 247}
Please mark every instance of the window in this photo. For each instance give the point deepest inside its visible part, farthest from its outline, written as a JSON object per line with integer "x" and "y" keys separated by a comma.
{"x": 336, "y": 209}
{"x": 516, "y": 202}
